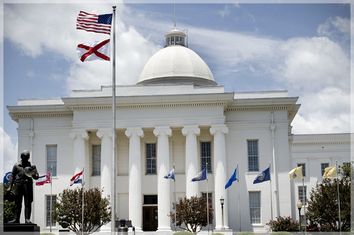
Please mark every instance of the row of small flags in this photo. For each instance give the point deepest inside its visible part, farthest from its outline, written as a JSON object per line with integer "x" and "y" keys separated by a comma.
{"x": 296, "y": 173}
{"x": 329, "y": 172}
{"x": 203, "y": 175}
{"x": 47, "y": 178}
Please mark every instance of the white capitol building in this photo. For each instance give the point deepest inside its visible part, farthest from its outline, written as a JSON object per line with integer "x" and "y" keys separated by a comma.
{"x": 176, "y": 115}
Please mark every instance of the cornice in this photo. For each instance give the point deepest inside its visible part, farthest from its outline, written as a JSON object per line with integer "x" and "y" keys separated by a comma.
{"x": 318, "y": 139}
{"x": 137, "y": 106}
{"x": 165, "y": 101}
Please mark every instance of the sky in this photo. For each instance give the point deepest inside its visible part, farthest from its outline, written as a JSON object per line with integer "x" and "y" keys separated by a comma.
{"x": 301, "y": 48}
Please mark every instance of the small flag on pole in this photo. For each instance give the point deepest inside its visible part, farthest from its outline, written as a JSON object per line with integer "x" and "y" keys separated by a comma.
{"x": 7, "y": 177}
{"x": 201, "y": 176}
{"x": 44, "y": 179}
{"x": 330, "y": 172}
{"x": 296, "y": 173}
{"x": 97, "y": 50}
{"x": 262, "y": 177}
{"x": 170, "y": 175}
{"x": 234, "y": 177}
{"x": 94, "y": 23}
{"x": 77, "y": 178}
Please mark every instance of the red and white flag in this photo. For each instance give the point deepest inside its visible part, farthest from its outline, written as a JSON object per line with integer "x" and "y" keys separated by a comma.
{"x": 77, "y": 178}
{"x": 44, "y": 179}
{"x": 98, "y": 50}
{"x": 94, "y": 23}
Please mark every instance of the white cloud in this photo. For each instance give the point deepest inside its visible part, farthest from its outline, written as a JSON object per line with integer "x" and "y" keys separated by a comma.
{"x": 334, "y": 25}
{"x": 9, "y": 151}
{"x": 44, "y": 32}
{"x": 312, "y": 64}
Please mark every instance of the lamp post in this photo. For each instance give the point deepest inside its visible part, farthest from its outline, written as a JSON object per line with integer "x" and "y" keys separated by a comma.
{"x": 222, "y": 211}
{"x": 299, "y": 206}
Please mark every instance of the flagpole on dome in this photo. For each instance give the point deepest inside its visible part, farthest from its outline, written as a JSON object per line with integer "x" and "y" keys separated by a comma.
{"x": 113, "y": 185}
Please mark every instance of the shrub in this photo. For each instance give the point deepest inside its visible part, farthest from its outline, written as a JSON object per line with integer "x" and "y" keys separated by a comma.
{"x": 283, "y": 224}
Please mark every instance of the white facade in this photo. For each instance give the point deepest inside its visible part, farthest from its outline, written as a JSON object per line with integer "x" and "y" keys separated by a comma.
{"x": 177, "y": 118}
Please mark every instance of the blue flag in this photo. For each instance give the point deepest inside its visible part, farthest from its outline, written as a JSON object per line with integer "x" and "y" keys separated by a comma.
{"x": 7, "y": 177}
{"x": 170, "y": 175}
{"x": 233, "y": 178}
{"x": 263, "y": 176}
{"x": 201, "y": 176}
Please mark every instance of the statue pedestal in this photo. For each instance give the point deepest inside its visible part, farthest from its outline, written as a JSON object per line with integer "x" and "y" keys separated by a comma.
{"x": 30, "y": 229}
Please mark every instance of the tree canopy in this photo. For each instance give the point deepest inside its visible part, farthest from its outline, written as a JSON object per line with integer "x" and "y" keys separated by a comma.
{"x": 69, "y": 210}
{"x": 191, "y": 214}
{"x": 322, "y": 208}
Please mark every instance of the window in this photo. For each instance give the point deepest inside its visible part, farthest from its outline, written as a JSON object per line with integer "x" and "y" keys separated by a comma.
{"x": 50, "y": 208}
{"x": 252, "y": 149}
{"x": 96, "y": 160}
{"x": 303, "y": 168}
{"x": 150, "y": 199}
{"x": 151, "y": 159}
{"x": 255, "y": 207}
{"x": 205, "y": 155}
{"x": 323, "y": 167}
{"x": 302, "y": 194}
{"x": 52, "y": 159}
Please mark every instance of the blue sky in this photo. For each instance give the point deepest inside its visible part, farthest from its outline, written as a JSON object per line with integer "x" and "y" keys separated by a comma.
{"x": 302, "y": 48}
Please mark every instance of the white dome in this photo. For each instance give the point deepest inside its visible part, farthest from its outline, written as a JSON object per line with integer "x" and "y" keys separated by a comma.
{"x": 176, "y": 64}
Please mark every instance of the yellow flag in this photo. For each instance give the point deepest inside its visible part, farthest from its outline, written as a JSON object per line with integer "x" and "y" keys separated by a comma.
{"x": 330, "y": 172}
{"x": 296, "y": 173}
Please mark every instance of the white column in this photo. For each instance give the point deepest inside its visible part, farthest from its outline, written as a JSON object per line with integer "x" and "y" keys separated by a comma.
{"x": 135, "y": 196}
{"x": 106, "y": 166}
{"x": 80, "y": 138}
{"x": 106, "y": 155}
{"x": 163, "y": 185}
{"x": 219, "y": 131}
{"x": 191, "y": 133}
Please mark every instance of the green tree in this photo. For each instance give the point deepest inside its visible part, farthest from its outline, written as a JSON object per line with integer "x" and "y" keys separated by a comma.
{"x": 191, "y": 214}
{"x": 8, "y": 212}
{"x": 283, "y": 224}
{"x": 69, "y": 210}
{"x": 322, "y": 208}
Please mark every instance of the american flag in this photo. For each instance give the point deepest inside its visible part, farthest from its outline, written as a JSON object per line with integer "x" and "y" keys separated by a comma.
{"x": 94, "y": 23}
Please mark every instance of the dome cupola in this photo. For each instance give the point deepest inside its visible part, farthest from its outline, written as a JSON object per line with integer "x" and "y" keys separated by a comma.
{"x": 176, "y": 64}
{"x": 176, "y": 37}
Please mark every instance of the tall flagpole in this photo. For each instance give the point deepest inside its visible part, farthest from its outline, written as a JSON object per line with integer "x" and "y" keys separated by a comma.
{"x": 114, "y": 174}
{"x": 207, "y": 193}
{"x": 271, "y": 193}
{"x": 51, "y": 201}
{"x": 304, "y": 201}
{"x": 174, "y": 192}
{"x": 238, "y": 197}
{"x": 83, "y": 202}
{"x": 338, "y": 199}
{"x": 275, "y": 170}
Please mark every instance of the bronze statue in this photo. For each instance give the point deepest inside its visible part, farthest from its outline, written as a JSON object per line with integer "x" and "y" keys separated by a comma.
{"x": 21, "y": 185}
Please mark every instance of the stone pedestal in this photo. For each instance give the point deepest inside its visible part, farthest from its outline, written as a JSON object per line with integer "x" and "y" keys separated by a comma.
{"x": 31, "y": 229}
